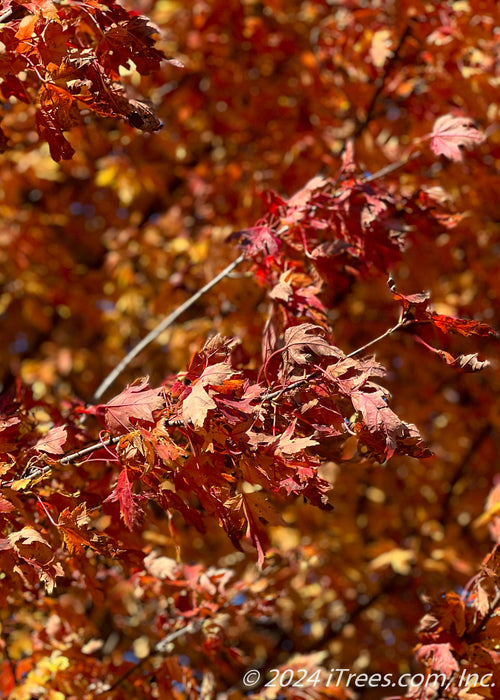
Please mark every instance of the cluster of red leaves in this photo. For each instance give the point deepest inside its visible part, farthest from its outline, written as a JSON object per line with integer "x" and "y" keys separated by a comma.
{"x": 223, "y": 439}
{"x": 66, "y": 57}
{"x": 459, "y": 639}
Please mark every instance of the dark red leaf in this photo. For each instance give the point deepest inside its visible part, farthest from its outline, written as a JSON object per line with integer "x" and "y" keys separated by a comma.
{"x": 123, "y": 494}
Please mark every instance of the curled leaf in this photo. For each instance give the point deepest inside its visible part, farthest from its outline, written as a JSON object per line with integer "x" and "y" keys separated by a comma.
{"x": 469, "y": 363}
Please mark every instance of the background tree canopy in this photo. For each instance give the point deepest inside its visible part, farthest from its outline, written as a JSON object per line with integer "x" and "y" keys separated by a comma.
{"x": 262, "y": 487}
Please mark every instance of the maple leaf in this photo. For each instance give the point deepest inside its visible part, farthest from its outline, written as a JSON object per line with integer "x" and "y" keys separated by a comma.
{"x": 302, "y": 343}
{"x": 385, "y": 433}
{"x": 259, "y": 239}
{"x": 301, "y": 199}
{"x": 258, "y": 512}
{"x": 451, "y": 133}
{"x": 198, "y": 403}
{"x": 142, "y": 117}
{"x": 6, "y": 423}
{"x": 71, "y": 523}
{"x": 289, "y": 445}
{"x": 53, "y": 441}
{"x": 136, "y": 401}
{"x": 138, "y": 34}
{"x": 123, "y": 494}
{"x": 5, "y": 505}
{"x": 482, "y": 602}
{"x": 441, "y": 657}
{"x": 416, "y": 308}
{"x": 461, "y": 326}
{"x": 466, "y": 363}
{"x": 49, "y": 130}
{"x": 27, "y": 535}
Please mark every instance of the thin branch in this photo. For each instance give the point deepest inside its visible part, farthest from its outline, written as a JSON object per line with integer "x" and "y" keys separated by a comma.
{"x": 66, "y": 459}
{"x": 462, "y": 467}
{"x": 381, "y": 81}
{"x": 163, "y": 325}
{"x": 89, "y": 449}
{"x": 391, "y": 167}
{"x": 388, "y": 332}
{"x": 226, "y": 272}
{"x": 277, "y": 392}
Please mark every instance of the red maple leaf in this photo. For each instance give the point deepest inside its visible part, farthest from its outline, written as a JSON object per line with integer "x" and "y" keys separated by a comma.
{"x": 136, "y": 401}
{"x": 259, "y": 239}
{"x": 258, "y": 512}
{"x": 416, "y": 308}
{"x": 302, "y": 343}
{"x": 198, "y": 402}
{"x": 461, "y": 326}
{"x": 123, "y": 494}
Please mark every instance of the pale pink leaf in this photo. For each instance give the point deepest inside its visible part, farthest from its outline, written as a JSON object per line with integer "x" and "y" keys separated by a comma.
{"x": 53, "y": 441}
{"x": 451, "y": 133}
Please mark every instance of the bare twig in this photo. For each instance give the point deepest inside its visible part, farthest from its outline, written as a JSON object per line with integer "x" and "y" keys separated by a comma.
{"x": 381, "y": 81}
{"x": 66, "y": 459}
{"x": 391, "y": 167}
{"x": 163, "y": 325}
{"x": 89, "y": 449}
{"x": 388, "y": 332}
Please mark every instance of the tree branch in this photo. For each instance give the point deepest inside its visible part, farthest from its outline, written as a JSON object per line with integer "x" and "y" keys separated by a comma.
{"x": 163, "y": 325}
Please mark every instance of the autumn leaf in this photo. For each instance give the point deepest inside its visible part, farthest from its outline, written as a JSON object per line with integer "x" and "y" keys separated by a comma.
{"x": 27, "y": 535}
{"x": 415, "y": 307}
{"x": 451, "y": 133}
{"x": 71, "y": 525}
{"x": 53, "y": 441}
{"x": 258, "y": 513}
{"x": 302, "y": 343}
{"x": 123, "y": 494}
{"x": 289, "y": 445}
{"x": 198, "y": 403}
{"x": 49, "y": 130}
{"x": 441, "y": 658}
{"x": 384, "y": 432}
{"x": 466, "y": 363}
{"x": 5, "y": 505}
{"x": 259, "y": 239}
{"x": 136, "y": 401}
{"x": 461, "y": 326}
